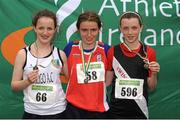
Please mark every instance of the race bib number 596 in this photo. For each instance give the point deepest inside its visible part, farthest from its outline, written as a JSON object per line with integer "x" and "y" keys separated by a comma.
{"x": 129, "y": 88}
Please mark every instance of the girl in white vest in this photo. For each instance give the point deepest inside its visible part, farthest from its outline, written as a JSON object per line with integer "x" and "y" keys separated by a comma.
{"x": 36, "y": 71}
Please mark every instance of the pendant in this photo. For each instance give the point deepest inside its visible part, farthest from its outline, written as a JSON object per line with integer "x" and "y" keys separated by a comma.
{"x": 146, "y": 66}
{"x": 86, "y": 80}
{"x": 35, "y": 67}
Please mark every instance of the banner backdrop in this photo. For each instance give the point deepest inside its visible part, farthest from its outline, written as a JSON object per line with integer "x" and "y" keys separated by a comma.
{"x": 161, "y": 31}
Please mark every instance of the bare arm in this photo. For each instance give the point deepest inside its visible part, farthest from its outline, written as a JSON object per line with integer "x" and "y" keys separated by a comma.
{"x": 17, "y": 83}
{"x": 152, "y": 80}
{"x": 65, "y": 67}
{"x": 109, "y": 77}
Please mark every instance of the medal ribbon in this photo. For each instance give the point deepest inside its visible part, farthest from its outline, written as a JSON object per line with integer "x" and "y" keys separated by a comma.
{"x": 86, "y": 66}
{"x": 143, "y": 58}
{"x": 37, "y": 59}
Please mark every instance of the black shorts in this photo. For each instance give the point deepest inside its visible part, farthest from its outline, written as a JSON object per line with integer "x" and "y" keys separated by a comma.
{"x": 78, "y": 113}
{"x": 34, "y": 116}
{"x": 120, "y": 114}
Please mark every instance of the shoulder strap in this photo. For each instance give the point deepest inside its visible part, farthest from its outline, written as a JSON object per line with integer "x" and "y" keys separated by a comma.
{"x": 25, "y": 49}
{"x": 60, "y": 56}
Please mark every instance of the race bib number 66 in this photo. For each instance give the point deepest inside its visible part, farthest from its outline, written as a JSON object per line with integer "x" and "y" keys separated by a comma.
{"x": 42, "y": 94}
{"x": 129, "y": 88}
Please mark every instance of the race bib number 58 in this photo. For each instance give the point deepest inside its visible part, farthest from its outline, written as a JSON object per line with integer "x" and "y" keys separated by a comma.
{"x": 95, "y": 73}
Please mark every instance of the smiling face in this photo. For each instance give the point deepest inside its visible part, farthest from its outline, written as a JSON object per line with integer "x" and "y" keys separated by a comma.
{"x": 130, "y": 26}
{"x": 45, "y": 29}
{"x": 89, "y": 31}
{"x": 130, "y": 29}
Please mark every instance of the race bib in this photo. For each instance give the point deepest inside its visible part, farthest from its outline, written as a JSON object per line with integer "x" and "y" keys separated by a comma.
{"x": 129, "y": 88}
{"x": 42, "y": 94}
{"x": 95, "y": 73}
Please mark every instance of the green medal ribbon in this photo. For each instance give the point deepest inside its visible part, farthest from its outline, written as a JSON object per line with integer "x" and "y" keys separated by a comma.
{"x": 86, "y": 66}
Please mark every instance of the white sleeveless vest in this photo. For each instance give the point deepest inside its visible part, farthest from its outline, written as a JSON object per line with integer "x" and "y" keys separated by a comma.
{"x": 46, "y": 95}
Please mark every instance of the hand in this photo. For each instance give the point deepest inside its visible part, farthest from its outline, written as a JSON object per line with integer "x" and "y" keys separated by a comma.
{"x": 154, "y": 67}
{"x": 33, "y": 76}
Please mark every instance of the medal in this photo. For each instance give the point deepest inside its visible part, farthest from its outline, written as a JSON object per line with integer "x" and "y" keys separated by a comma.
{"x": 146, "y": 66}
{"x": 146, "y": 63}
{"x": 86, "y": 80}
{"x": 35, "y": 67}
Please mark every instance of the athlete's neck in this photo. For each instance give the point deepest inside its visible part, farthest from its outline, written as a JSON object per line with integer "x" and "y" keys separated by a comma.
{"x": 42, "y": 49}
{"x": 88, "y": 46}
